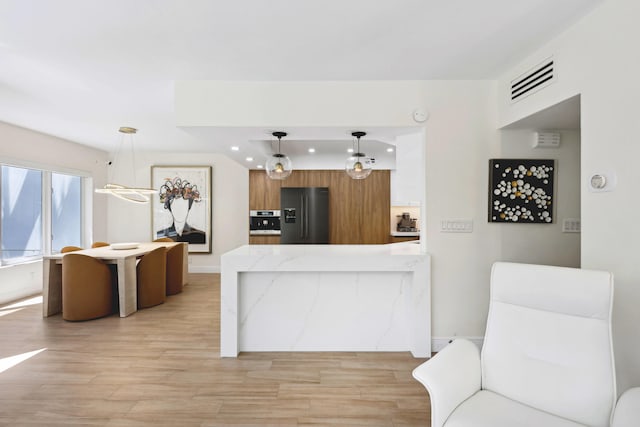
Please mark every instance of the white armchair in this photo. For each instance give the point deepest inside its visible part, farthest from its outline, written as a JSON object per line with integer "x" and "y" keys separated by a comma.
{"x": 547, "y": 357}
{"x": 627, "y": 412}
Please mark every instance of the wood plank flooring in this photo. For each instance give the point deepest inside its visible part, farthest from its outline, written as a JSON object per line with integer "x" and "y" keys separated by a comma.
{"x": 162, "y": 367}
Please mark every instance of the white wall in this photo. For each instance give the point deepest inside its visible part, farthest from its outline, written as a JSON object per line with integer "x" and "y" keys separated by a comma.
{"x": 230, "y": 206}
{"x": 28, "y": 148}
{"x": 545, "y": 243}
{"x": 596, "y": 58}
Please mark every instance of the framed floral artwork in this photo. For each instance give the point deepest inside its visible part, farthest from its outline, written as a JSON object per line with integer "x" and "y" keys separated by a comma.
{"x": 181, "y": 210}
{"x": 521, "y": 190}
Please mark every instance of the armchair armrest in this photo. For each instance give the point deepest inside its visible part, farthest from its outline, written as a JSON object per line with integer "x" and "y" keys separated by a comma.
{"x": 627, "y": 412}
{"x": 450, "y": 377}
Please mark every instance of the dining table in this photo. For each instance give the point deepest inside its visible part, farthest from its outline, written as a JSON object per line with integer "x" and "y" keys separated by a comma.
{"x": 125, "y": 264}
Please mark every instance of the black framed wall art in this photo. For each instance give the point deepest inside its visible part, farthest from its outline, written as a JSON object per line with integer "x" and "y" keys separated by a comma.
{"x": 521, "y": 190}
{"x": 182, "y": 208}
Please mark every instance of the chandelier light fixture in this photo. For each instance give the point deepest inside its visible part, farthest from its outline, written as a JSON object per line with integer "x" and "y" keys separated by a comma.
{"x": 278, "y": 166}
{"x": 358, "y": 166}
{"x": 132, "y": 194}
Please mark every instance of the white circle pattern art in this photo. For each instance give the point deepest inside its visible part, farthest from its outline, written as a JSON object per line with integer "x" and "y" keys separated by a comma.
{"x": 521, "y": 190}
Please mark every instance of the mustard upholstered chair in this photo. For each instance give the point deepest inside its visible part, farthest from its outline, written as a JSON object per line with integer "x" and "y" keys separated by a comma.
{"x": 87, "y": 288}
{"x": 175, "y": 267}
{"x": 66, "y": 249}
{"x": 99, "y": 244}
{"x": 151, "y": 272}
{"x": 547, "y": 358}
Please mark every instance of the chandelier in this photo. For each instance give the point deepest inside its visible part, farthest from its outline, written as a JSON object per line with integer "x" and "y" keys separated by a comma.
{"x": 133, "y": 193}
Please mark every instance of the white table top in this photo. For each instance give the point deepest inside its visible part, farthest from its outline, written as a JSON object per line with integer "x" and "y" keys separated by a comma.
{"x": 107, "y": 252}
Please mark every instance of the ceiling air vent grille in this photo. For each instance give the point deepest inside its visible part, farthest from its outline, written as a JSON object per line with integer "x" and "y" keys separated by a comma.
{"x": 531, "y": 81}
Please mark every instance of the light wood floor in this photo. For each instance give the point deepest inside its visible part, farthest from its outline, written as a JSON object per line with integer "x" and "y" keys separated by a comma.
{"x": 162, "y": 367}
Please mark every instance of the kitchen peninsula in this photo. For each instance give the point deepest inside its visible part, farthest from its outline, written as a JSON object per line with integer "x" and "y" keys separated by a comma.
{"x": 326, "y": 298}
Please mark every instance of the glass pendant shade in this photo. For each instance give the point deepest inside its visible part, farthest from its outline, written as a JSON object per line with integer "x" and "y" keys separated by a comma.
{"x": 278, "y": 166}
{"x": 132, "y": 194}
{"x": 358, "y": 166}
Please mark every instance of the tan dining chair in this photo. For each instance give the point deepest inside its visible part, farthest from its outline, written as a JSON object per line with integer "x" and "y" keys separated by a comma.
{"x": 175, "y": 267}
{"x": 151, "y": 274}
{"x": 66, "y": 249}
{"x": 88, "y": 288}
{"x": 164, "y": 239}
{"x": 99, "y": 244}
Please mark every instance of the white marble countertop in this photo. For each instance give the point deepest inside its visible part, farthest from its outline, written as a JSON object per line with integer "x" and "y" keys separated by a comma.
{"x": 402, "y": 248}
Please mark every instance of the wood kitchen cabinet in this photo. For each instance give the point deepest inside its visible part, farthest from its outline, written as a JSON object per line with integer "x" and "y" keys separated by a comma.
{"x": 359, "y": 210}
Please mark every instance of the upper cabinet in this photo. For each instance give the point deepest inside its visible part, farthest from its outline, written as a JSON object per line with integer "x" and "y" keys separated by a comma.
{"x": 407, "y": 180}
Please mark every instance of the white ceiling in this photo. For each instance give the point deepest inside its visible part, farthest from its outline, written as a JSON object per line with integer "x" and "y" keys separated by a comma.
{"x": 80, "y": 69}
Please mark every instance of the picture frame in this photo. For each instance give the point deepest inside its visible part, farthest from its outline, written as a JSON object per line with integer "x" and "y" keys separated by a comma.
{"x": 181, "y": 210}
{"x": 521, "y": 191}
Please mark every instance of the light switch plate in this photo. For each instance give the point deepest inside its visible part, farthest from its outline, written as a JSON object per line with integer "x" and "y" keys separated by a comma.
{"x": 456, "y": 226}
{"x": 571, "y": 225}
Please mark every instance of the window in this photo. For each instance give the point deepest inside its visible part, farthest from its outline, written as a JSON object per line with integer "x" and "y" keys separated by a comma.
{"x": 21, "y": 219}
{"x": 66, "y": 211}
{"x": 31, "y": 222}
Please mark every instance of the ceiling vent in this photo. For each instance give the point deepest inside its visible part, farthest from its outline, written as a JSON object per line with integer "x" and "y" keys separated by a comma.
{"x": 531, "y": 81}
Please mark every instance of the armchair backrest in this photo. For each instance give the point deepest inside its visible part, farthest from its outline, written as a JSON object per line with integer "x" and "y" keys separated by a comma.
{"x": 548, "y": 340}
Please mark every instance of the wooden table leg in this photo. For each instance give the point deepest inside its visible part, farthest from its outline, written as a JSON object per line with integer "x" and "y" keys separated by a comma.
{"x": 51, "y": 287}
{"x": 127, "y": 283}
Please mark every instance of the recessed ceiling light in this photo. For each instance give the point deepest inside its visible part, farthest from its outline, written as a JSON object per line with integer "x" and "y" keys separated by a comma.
{"x": 249, "y": 159}
{"x": 260, "y": 166}
{"x": 350, "y": 150}
{"x": 312, "y": 150}
{"x": 389, "y": 150}
{"x": 235, "y": 148}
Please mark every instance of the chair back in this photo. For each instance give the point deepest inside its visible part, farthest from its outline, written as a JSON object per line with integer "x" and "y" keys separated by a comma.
{"x": 151, "y": 275}
{"x": 175, "y": 269}
{"x": 87, "y": 288}
{"x": 66, "y": 249}
{"x": 548, "y": 340}
{"x": 99, "y": 244}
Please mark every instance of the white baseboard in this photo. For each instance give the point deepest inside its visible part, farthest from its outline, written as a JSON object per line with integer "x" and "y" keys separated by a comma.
{"x": 439, "y": 343}
{"x": 204, "y": 269}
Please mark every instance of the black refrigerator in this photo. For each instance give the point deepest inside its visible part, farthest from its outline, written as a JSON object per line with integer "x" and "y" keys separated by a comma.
{"x": 304, "y": 215}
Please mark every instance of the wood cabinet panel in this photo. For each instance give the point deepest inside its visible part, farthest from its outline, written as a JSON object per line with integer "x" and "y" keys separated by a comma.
{"x": 264, "y": 193}
{"x": 359, "y": 210}
{"x": 398, "y": 239}
{"x": 264, "y": 240}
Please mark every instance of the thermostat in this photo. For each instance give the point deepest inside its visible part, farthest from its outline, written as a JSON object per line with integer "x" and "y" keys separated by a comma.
{"x": 602, "y": 181}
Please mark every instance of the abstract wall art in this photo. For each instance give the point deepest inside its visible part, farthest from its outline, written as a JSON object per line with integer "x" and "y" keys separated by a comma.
{"x": 521, "y": 190}
{"x": 182, "y": 208}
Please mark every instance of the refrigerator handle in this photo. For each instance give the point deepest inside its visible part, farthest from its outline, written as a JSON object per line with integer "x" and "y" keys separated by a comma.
{"x": 302, "y": 216}
{"x": 306, "y": 217}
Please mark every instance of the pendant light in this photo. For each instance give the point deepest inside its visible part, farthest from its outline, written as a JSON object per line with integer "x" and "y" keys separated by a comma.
{"x": 131, "y": 194}
{"x": 278, "y": 166}
{"x": 358, "y": 166}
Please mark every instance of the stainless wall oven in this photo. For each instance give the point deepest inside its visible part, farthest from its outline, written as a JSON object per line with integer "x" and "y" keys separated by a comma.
{"x": 264, "y": 222}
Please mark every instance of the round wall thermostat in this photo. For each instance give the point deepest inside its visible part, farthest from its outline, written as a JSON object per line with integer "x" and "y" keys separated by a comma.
{"x": 598, "y": 182}
{"x": 419, "y": 115}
